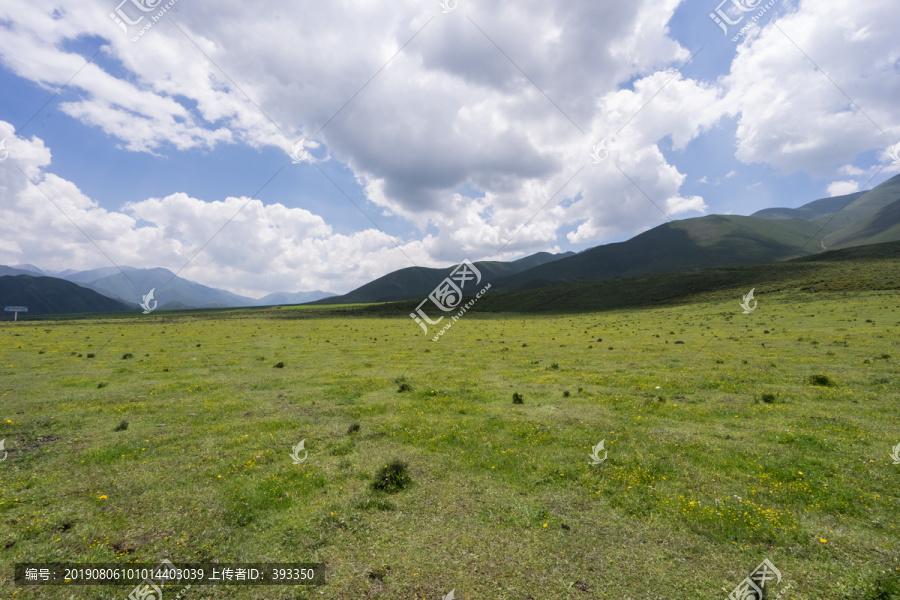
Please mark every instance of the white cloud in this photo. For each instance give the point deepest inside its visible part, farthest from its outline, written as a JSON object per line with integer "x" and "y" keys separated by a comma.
{"x": 797, "y": 118}
{"x": 842, "y": 188}
{"x": 238, "y": 244}
{"x": 449, "y": 112}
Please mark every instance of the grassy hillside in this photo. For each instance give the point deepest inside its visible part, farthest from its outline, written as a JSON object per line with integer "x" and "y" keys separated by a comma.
{"x": 811, "y": 211}
{"x": 865, "y": 268}
{"x": 866, "y": 205}
{"x": 883, "y": 226}
{"x": 716, "y": 240}
{"x": 418, "y": 282}
{"x": 49, "y": 295}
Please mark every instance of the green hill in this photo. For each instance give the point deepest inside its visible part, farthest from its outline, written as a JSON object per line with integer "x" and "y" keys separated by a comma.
{"x": 418, "y": 282}
{"x": 49, "y": 295}
{"x": 864, "y": 268}
{"x": 770, "y": 235}
{"x": 712, "y": 241}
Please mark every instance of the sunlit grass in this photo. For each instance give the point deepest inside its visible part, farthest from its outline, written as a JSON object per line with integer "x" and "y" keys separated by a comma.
{"x": 720, "y": 452}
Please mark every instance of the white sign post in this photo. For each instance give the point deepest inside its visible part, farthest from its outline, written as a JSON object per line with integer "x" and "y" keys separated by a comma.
{"x": 16, "y": 310}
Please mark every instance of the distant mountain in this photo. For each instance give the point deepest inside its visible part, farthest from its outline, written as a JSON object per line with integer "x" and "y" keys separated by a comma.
{"x": 853, "y": 220}
{"x": 811, "y": 211}
{"x": 130, "y": 285}
{"x": 767, "y": 236}
{"x": 770, "y": 235}
{"x": 92, "y": 275}
{"x": 690, "y": 244}
{"x": 50, "y": 295}
{"x": 32, "y": 269}
{"x": 291, "y": 298}
{"x": 4, "y": 270}
{"x": 870, "y": 267}
{"x": 418, "y": 282}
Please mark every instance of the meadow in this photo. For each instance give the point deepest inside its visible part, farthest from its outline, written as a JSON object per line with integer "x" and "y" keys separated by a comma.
{"x": 168, "y": 436}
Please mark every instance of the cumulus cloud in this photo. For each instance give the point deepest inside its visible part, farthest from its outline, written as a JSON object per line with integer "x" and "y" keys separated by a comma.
{"x": 475, "y": 126}
{"x": 795, "y": 117}
{"x": 238, "y": 244}
{"x": 842, "y": 188}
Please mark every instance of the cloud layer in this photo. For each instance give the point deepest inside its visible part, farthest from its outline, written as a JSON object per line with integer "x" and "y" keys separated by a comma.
{"x": 474, "y": 126}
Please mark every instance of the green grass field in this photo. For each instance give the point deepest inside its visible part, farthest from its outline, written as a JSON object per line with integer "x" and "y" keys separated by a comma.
{"x": 721, "y": 452}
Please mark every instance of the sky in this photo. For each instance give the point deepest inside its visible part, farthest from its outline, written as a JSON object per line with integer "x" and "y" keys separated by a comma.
{"x": 298, "y": 145}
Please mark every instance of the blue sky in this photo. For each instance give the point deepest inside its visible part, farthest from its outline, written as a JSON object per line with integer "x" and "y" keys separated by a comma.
{"x": 152, "y": 148}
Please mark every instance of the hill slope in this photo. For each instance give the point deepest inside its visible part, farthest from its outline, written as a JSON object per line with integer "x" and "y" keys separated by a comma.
{"x": 865, "y": 268}
{"x": 49, "y": 295}
{"x": 418, "y": 282}
{"x": 712, "y": 241}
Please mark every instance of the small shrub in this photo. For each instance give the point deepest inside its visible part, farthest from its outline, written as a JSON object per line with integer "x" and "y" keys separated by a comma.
{"x": 353, "y": 428}
{"x": 719, "y": 361}
{"x": 90, "y": 355}
{"x": 518, "y": 398}
{"x": 404, "y": 387}
{"x": 580, "y": 390}
{"x": 127, "y": 355}
{"x": 121, "y": 426}
{"x": 768, "y": 398}
{"x": 823, "y": 380}
{"x": 566, "y": 394}
{"x": 554, "y": 366}
{"x": 102, "y": 384}
{"x": 524, "y": 345}
{"x": 392, "y": 477}
{"x": 279, "y": 365}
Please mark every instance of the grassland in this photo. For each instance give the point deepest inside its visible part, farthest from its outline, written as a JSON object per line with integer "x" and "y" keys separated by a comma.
{"x": 721, "y": 451}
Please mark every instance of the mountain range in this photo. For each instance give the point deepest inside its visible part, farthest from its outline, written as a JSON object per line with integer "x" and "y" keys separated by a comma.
{"x": 128, "y": 285}
{"x": 767, "y": 236}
